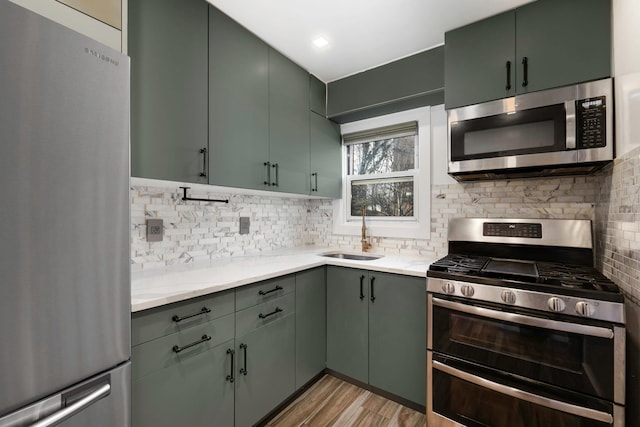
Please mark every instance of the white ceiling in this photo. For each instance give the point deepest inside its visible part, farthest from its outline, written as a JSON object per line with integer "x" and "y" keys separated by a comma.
{"x": 362, "y": 34}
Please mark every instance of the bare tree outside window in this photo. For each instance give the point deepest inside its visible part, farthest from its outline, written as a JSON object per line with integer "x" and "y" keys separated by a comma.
{"x": 377, "y": 180}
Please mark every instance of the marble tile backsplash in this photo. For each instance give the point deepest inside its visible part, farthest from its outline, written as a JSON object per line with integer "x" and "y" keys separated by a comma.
{"x": 618, "y": 223}
{"x": 200, "y": 231}
{"x": 195, "y": 231}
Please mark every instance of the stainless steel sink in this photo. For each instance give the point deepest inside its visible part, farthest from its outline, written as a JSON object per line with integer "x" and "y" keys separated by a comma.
{"x": 354, "y": 257}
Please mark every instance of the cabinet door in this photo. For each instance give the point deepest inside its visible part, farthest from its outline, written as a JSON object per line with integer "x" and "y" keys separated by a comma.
{"x": 311, "y": 324}
{"x": 325, "y": 157}
{"x": 565, "y": 42}
{"x": 317, "y": 96}
{"x": 168, "y": 49}
{"x": 397, "y": 335}
{"x": 288, "y": 125}
{"x": 193, "y": 392}
{"x": 347, "y": 322}
{"x": 238, "y": 104}
{"x": 476, "y": 59}
{"x": 265, "y": 373}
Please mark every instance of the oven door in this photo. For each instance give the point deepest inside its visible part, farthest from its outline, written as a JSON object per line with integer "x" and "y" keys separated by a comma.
{"x": 464, "y": 394}
{"x": 582, "y": 357}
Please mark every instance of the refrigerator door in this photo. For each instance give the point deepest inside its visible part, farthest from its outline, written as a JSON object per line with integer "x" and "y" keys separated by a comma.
{"x": 102, "y": 401}
{"x": 64, "y": 228}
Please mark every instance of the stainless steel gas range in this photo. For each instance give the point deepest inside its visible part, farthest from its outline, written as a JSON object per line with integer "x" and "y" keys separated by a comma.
{"x": 522, "y": 329}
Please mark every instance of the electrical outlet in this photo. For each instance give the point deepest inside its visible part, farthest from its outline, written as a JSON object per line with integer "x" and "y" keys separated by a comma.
{"x": 244, "y": 224}
{"x": 154, "y": 230}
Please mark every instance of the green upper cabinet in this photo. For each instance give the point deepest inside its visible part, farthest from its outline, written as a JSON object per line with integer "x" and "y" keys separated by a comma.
{"x": 564, "y": 41}
{"x": 317, "y": 96}
{"x": 238, "y": 105}
{"x": 288, "y": 125}
{"x": 542, "y": 45}
{"x": 168, "y": 49}
{"x": 477, "y": 58}
{"x": 325, "y": 151}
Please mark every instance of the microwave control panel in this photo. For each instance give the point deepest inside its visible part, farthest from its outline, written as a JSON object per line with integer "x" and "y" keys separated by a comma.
{"x": 591, "y": 122}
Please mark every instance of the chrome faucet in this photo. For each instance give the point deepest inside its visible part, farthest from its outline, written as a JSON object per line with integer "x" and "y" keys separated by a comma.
{"x": 365, "y": 244}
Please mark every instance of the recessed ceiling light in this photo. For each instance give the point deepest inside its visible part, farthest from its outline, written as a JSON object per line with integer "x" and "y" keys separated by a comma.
{"x": 320, "y": 42}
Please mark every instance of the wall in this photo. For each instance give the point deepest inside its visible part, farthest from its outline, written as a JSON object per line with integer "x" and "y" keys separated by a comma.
{"x": 197, "y": 231}
{"x": 568, "y": 197}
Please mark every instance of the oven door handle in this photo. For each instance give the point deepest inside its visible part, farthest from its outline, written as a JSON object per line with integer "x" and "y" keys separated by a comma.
{"x": 558, "y": 405}
{"x": 555, "y": 325}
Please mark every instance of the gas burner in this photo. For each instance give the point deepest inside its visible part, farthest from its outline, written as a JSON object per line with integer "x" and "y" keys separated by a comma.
{"x": 462, "y": 264}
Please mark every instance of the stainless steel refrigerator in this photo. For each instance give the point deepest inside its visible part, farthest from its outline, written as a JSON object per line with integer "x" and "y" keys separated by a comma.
{"x": 64, "y": 226}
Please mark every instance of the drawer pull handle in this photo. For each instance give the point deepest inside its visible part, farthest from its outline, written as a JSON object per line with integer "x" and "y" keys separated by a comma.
{"x": 232, "y": 352}
{"x": 178, "y": 349}
{"x": 204, "y": 310}
{"x": 276, "y": 311}
{"x": 361, "y": 287}
{"x": 243, "y": 371}
{"x": 277, "y": 288}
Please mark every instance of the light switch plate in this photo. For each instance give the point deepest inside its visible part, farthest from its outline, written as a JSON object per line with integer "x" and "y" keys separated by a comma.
{"x": 244, "y": 224}
{"x": 154, "y": 230}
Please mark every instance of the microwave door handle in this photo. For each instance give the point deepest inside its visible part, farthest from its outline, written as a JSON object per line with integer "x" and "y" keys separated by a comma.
{"x": 570, "y": 108}
{"x": 568, "y": 408}
{"x": 573, "y": 328}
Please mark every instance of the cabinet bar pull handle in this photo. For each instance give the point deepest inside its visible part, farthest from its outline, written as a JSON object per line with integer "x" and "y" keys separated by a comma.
{"x": 230, "y": 376}
{"x": 203, "y": 310}
{"x": 276, "y": 311}
{"x": 315, "y": 176}
{"x": 508, "y": 75}
{"x": 203, "y": 151}
{"x": 268, "y": 168}
{"x": 204, "y": 338}
{"x": 243, "y": 371}
{"x": 277, "y": 181}
{"x": 525, "y": 64}
{"x": 362, "y": 287}
{"x": 373, "y": 296}
{"x": 277, "y": 288}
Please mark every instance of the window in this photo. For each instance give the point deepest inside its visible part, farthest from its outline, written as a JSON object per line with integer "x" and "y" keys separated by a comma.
{"x": 385, "y": 169}
{"x": 381, "y": 169}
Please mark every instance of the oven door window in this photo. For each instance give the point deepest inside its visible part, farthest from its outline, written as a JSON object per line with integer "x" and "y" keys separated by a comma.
{"x": 476, "y": 399}
{"x": 575, "y": 361}
{"x": 537, "y": 130}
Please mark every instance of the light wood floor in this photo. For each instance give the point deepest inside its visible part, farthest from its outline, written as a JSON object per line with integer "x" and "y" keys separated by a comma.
{"x": 333, "y": 402}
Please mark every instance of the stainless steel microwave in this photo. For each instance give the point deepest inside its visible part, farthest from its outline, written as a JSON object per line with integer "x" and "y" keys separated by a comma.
{"x": 564, "y": 131}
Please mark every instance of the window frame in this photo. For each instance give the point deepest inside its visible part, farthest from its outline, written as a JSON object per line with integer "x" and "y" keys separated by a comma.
{"x": 417, "y": 226}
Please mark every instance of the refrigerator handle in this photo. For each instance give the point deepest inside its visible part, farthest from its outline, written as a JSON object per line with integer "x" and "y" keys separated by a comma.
{"x": 78, "y": 406}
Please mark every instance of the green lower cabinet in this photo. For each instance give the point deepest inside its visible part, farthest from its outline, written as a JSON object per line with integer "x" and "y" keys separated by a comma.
{"x": 265, "y": 369}
{"x": 347, "y": 322}
{"x": 376, "y": 330}
{"x": 194, "y": 391}
{"x": 311, "y": 326}
{"x": 397, "y": 335}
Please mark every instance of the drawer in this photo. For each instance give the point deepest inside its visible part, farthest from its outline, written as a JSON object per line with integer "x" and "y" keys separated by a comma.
{"x": 248, "y": 296}
{"x": 264, "y": 314}
{"x": 159, "y": 353}
{"x": 162, "y": 321}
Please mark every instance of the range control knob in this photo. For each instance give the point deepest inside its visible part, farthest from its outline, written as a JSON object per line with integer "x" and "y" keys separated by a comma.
{"x": 448, "y": 288}
{"x": 467, "y": 291}
{"x": 556, "y": 304}
{"x": 585, "y": 309}
{"x": 508, "y": 297}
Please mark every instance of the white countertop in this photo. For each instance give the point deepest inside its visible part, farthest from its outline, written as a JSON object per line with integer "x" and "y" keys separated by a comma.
{"x": 180, "y": 282}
